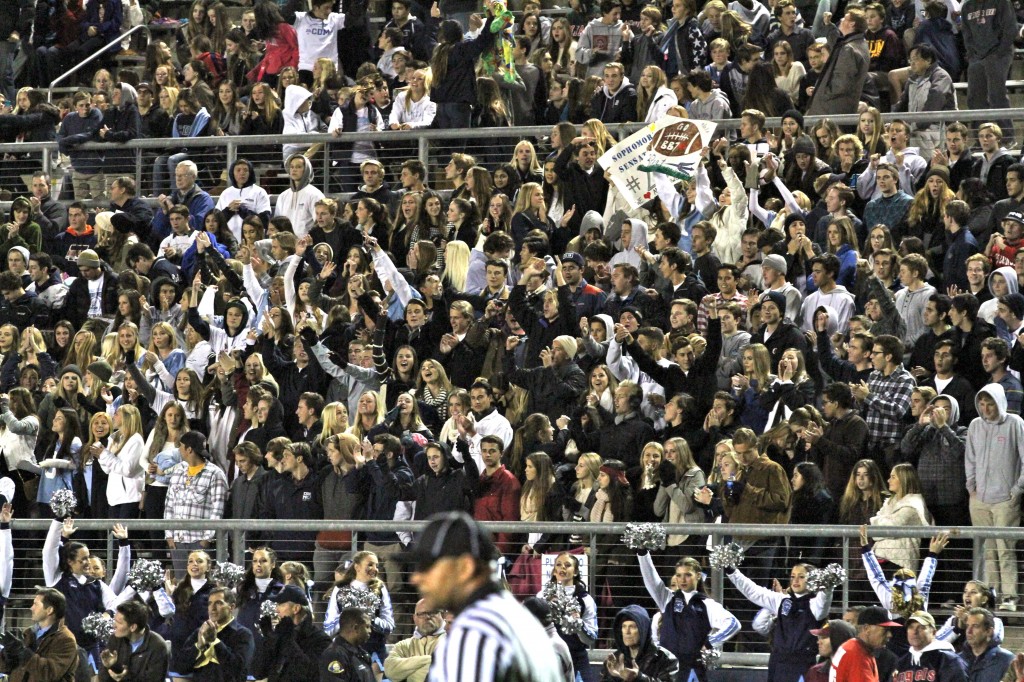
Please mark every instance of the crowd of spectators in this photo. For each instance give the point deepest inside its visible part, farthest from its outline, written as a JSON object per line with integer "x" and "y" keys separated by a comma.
{"x": 822, "y": 326}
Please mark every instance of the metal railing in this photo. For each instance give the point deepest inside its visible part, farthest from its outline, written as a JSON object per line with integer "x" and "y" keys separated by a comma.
{"x": 600, "y": 539}
{"x": 430, "y": 145}
{"x": 94, "y": 56}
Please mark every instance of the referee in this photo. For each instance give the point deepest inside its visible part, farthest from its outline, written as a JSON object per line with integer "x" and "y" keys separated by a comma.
{"x": 493, "y": 638}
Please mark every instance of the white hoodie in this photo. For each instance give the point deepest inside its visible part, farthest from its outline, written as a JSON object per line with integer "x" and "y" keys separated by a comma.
{"x": 664, "y": 98}
{"x": 298, "y": 202}
{"x": 295, "y": 123}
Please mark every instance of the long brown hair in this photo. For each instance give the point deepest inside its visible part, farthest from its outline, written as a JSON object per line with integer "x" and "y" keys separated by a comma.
{"x": 852, "y": 497}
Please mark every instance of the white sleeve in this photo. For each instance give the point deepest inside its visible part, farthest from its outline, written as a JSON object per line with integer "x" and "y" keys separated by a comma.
{"x": 672, "y": 199}
{"x": 51, "y": 554}
{"x": 333, "y": 615}
{"x": 109, "y": 598}
{"x": 126, "y": 462}
{"x": 6, "y": 562}
{"x": 289, "y": 284}
{"x": 724, "y": 625}
{"x": 882, "y": 588}
{"x": 589, "y": 617}
{"x": 760, "y": 596}
{"x": 387, "y": 272}
{"x": 621, "y": 366}
{"x": 705, "y": 198}
{"x": 124, "y": 562}
{"x": 925, "y": 577}
{"x": 821, "y": 604}
{"x": 653, "y": 582}
{"x": 251, "y": 282}
{"x": 385, "y": 620}
{"x": 947, "y": 633}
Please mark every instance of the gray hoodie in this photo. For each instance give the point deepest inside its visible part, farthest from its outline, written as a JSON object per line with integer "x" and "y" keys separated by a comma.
{"x": 987, "y": 311}
{"x": 995, "y": 451}
{"x": 601, "y": 38}
{"x": 595, "y": 349}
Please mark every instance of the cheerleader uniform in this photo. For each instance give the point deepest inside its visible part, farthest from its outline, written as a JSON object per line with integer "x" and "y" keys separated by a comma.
{"x": 794, "y": 648}
{"x": 883, "y": 590}
{"x": 249, "y": 610}
{"x": 579, "y": 643}
{"x": 381, "y": 625}
{"x": 689, "y": 621}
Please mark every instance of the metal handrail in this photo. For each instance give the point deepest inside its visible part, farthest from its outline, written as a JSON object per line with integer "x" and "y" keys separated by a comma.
{"x": 94, "y": 56}
{"x": 1013, "y": 533}
{"x": 469, "y": 134}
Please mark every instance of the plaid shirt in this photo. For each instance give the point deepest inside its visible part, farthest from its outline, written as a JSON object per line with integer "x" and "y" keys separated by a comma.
{"x": 200, "y": 497}
{"x": 885, "y": 405}
{"x": 702, "y": 311}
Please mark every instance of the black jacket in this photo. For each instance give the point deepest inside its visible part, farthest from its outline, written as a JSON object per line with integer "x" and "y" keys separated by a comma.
{"x": 344, "y": 662}
{"x": 551, "y": 389}
{"x": 585, "y": 191}
{"x": 458, "y": 86}
{"x": 148, "y": 663}
{"x": 617, "y": 108}
{"x": 453, "y": 489}
{"x": 290, "y": 653}
{"x": 77, "y": 306}
{"x": 655, "y": 663}
{"x": 786, "y": 336}
{"x": 234, "y": 656}
{"x": 699, "y": 381}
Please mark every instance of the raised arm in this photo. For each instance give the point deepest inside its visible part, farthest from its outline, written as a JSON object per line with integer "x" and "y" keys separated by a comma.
{"x": 51, "y": 554}
{"x": 653, "y": 582}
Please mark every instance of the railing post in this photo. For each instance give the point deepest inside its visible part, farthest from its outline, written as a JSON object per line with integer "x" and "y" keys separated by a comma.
{"x": 238, "y": 547}
{"x": 424, "y": 152}
{"x": 138, "y": 170}
{"x": 221, "y": 539}
{"x": 111, "y": 557}
{"x": 327, "y": 170}
{"x": 846, "y": 567}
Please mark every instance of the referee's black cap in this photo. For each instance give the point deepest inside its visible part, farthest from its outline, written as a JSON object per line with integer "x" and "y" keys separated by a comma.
{"x": 452, "y": 534}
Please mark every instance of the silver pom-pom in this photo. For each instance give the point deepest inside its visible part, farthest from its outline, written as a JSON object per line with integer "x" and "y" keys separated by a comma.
{"x": 565, "y": 609}
{"x": 98, "y": 625}
{"x": 358, "y": 598}
{"x": 228, "y": 574}
{"x": 725, "y": 556}
{"x": 709, "y": 657}
{"x": 268, "y": 609}
{"x": 825, "y": 579}
{"x": 63, "y": 503}
{"x": 146, "y": 575}
{"x": 645, "y": 536}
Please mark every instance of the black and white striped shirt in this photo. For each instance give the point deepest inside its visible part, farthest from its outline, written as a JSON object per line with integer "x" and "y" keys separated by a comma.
{"x": 495, "y": 639}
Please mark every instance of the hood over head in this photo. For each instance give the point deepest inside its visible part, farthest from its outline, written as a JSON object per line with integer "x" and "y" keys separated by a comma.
{"x": 1009, "y": 274}
{"x": 639, "y": 616}
{"x": 231, "y": 174}
{"x": 996, "y": 392}
{"x": 294, "y": 96}
{"x": 307, "y": 175}
{"x": 128, "y": 95}
{"x": 591, "y": 219}
{"x": 954, "y": 408}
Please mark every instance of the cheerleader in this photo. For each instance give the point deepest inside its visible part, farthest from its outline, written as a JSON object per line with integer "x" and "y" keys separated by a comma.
{"x": 190, "y": 599}
{"x": 976, "y": 595}
{"x": 690, "y": 619}
{"x": 566, "y": 577}
{"x": 262, "y": 581}
{"x": 361, "y": 574}
{"x": 66, "y": 568}
{"x": 907, "y": 592}
{"x": 6, "y": 546}
{"x": 797, "y": 612}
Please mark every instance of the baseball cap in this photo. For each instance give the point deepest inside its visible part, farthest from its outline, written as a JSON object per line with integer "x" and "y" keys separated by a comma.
{"x": 291, "y": 595}
{"x": 452, "y": 534}
{"x": 144, "y": 86}
{"x": 573, "y": 257}
{"x": 1015, "y": 216}
{"x": 923, "y": 617}
{"x": 876, "y": 615}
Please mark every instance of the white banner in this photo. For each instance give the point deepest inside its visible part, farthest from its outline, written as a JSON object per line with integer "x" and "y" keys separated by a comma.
{"x": 670, "y": 145}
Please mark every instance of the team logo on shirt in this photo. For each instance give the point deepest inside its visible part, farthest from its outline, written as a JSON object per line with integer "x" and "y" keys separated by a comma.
{"x": 335, "y": 667}
{"x": 787, "y": 606}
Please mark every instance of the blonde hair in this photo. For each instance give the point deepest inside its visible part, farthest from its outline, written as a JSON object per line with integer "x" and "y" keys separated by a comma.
{"x": 525, "y": 196}
{"x": 131, "y": 424}
{"x": 534, "y": 164}
{"x": 456, "y": 264}
{"x": 762, "y": 365}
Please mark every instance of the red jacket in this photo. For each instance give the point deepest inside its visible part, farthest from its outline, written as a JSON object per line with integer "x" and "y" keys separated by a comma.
{"x": 854, "y": 663}
{"x": 497, "y": 499}
{"x": 282, "y": 51}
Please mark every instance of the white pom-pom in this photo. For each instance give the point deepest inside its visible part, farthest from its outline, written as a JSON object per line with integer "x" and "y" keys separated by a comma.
{"x": 227, "y": 574}
{"x": 358, "y": 598}
{"x": 709, "y": 657}
{"x": 146, "y": 575}
{"x": 565, "y": 609}
{"x": 63, "y": 503}
{"x": 98, "y": 625}
{"x": 725, "y": 556}
{"x": 645, "y": 536}
{"x": 268, "y": 609}
{"x": 825, "y": 579}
